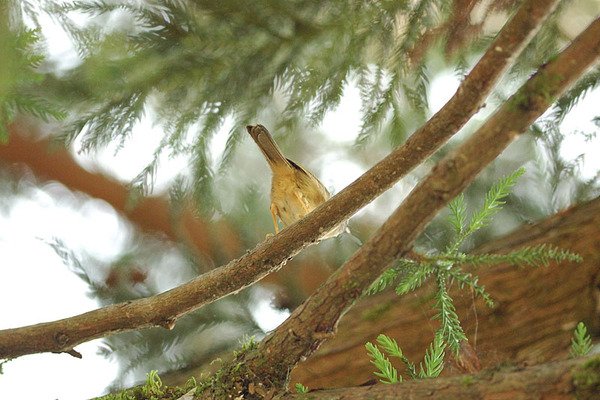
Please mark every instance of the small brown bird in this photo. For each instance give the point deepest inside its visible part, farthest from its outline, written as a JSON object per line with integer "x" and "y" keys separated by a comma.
{"x": 294, "y": 191}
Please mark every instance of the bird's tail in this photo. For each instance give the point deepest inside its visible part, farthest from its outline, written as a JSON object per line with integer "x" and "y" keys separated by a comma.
{"x": 267, "y": 145}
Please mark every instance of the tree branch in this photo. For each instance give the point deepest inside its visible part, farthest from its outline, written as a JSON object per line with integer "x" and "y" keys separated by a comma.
{"x": 270, "y": 255}
{"x": 316, "y": 319}
{"x": 533, "y": 321}
{"x": 568, "y": 379}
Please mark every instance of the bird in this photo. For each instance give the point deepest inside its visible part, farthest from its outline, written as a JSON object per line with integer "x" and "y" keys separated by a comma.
{"x": 295, "y": 191}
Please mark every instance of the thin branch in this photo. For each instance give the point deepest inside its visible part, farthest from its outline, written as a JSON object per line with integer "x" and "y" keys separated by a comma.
{"x": 164, "y": 309}
{"x": 316, "y": 319}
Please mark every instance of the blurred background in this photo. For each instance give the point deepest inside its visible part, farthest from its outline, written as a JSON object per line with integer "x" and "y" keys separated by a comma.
{"x": 125, "y": 168}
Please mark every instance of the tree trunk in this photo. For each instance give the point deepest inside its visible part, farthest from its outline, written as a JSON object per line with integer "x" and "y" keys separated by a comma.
{"x": 535, "y": 314}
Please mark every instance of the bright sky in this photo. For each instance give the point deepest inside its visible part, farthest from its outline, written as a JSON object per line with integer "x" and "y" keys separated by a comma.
{"x": 36, "y": 286}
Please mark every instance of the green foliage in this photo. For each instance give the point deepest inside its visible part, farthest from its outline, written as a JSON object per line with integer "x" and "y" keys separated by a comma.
{"x": 581, "y": 344}
{"x": 164, "y": 349}
{"x": 152, "y": 389}
{"x": 451, "y": 329}
{"x": 434, "y": 358}
{"x": 390, "y": 275}
{"x": 385, "y": 370}
{"x": 431, "y": 367}
{"x": 193, "y": 66}
{"x": 470, "y": 280}
{"x": 414, "y": 278}
{"x": 389, "y": 345}
{"x": 247, "y": 344}
{"x": 575, "y": 94}
{"x": 458, "y": 214}
{"x": 558, "y": 181}
{"x": 586, "y": 379}
{"x": 446, "y": 267}
{"x": 300, "y": 388}
{"x": 494, "y": 199}
{"x": 185, "y": 342}
{"x": 533, "y": 256}
{"x": 392, "y": 348}
{"x": 19, "y": 79}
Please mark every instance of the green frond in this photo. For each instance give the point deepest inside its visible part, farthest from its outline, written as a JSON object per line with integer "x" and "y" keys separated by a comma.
{"x": 398, "y": 129}
{"x": 542, "y": 48}
{"x": 20, "y": 80}
{"x": 422, "y": 15}
{"x": 581, "y": 343}
{"x": 494, "y": 199}
{"x": 391, "y": 274}
{"x": 389, "y": 345}
{"x": 554, "y": 173}
{"x": 386, "y": 279}
{"x": 329, "y": 97}
{"x": 29, "y": 103}
{"x": 377, "y": 104}
{"x": 143, "y": 183}
{"x": 411, "y": 369}
{"x": 203, "y": 177}
{"x": 70, "y": 260}
{"x": 535, "y": 256}
{"x": 113, "y": 120}
{"x": 300, "y": 388}
{"x": 468, "y": 279}
{"x": 434, "y": 358}
{"x": 235, "y": 136}
{"x": 458, "y": 214}
{"x": 416, "y": 92}
{"x": 451, "y": 330}
{"x": 575, "y": 94}
{"x": 414, "y": 278}
{"x": 385, "y": 370}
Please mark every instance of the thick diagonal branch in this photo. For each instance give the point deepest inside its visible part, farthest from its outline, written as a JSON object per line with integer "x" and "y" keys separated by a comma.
{"x": 533, "y": 321}
{"x": 316, "y": 319}
{"x": 165, "y": 308}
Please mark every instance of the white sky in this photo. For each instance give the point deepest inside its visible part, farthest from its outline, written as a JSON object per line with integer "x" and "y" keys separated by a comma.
{"x": 38, "y": 287}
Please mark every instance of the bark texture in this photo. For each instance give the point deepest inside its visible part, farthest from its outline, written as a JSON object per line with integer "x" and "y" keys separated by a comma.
{"x": 533, "y": 321}
{"x": 571, "y": 379}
